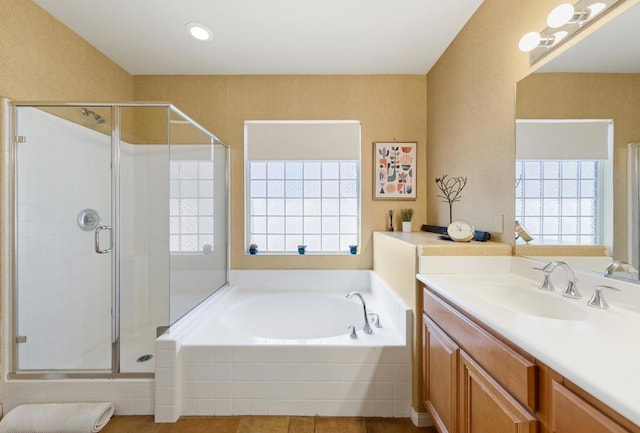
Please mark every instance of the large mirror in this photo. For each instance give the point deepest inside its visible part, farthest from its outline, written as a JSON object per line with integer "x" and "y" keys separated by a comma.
{"x": 575, "y": 192}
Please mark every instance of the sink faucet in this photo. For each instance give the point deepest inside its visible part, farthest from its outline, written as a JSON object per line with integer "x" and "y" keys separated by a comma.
{"x": 570, "y": 291}
{"x": 619, "y": 266}
{"x": 367, "y": 328}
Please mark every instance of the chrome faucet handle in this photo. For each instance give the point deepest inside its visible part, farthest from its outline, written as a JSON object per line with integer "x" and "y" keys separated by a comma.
{"x": 546, "y": 283}
{"x": 597, "y": 299}
{"x": 353, "y": 334}
{"x": 375, "y": 320}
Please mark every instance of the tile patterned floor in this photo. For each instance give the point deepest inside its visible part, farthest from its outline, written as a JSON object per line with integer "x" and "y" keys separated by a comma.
{"x": 264, "y": 424}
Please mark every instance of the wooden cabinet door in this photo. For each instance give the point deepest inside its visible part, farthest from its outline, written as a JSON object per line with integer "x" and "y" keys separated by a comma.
{"x": 485, "y": 407}
{"x": 440, "y": 373}
{"x": 571, "y": 414}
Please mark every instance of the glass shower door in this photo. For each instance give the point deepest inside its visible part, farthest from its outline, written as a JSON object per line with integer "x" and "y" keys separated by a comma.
{"x": 63, "y": 240}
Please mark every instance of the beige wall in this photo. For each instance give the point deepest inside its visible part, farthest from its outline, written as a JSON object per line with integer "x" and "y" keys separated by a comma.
{"x": 609, "y": 96}
{"x": 471, "y": 110}
{"x": 44, "y": 60}
{"x": 390, "y": 107}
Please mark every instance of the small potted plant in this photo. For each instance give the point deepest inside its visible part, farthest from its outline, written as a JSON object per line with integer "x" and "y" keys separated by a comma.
{"x": 353, "y": 249}
{"x": 302, "y": 249}
{"x": 406, "y": 215}
{"x": 253, "y": 249}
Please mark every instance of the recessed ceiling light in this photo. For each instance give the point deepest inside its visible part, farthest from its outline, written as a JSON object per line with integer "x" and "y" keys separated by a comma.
{"x": 199, "y": 32}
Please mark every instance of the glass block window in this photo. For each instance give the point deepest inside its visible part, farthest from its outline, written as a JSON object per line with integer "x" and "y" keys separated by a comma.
{"x": 559, "y": 200}
{"x": 191, "y": 206}
{"x": 313, "y": 203}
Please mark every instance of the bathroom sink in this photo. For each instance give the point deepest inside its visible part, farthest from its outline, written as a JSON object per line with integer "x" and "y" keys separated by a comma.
{"x": 529, "y": 301}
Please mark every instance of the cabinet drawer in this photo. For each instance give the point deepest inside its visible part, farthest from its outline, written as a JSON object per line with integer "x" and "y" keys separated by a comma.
{"x": 514, "y": 372}
{"x": 571, "y": 414}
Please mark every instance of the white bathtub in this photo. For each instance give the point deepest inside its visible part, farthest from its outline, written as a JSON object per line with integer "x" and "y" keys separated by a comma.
{"x": 277, "y": 343}
{"x": 287, "y": 315}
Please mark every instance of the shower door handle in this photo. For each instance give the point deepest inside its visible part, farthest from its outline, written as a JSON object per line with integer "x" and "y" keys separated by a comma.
{"x": 97, "y": 239}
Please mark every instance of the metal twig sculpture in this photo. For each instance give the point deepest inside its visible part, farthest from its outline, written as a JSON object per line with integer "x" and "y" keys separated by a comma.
{"x": 451, "y": 188}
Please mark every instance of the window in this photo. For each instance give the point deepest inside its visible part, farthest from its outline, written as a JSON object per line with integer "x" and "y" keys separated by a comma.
{"x": 303, "y": 188}
{"x": 191, "y": 206}
{"x": 564, "y": 180}
{"x": 559, "y": 200}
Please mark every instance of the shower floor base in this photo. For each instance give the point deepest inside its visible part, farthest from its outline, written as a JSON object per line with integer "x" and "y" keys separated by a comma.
{"x": 133, "y": 346}
{"x": 131, "y": 396}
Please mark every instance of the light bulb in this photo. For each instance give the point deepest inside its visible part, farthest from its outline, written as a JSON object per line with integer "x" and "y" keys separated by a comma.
{"x": 199, "y": 32}
{"x": 529, "y": 41}
{"x": 596, "y": 8}
{"x": 559, "y": 36}
{"x": 560, "y": 15}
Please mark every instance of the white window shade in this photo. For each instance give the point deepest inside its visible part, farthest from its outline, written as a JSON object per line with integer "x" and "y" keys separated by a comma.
{"x": 563, "y": 139}
{"x": 302, "y": 140}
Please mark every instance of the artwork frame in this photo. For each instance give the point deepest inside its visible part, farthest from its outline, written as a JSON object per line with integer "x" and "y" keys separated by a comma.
{"x": 394, "y": 170}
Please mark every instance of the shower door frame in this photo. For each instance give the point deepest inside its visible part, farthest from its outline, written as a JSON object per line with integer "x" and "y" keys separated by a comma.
{"x": 9, "y": 230}
{"x": 14, "y": 372}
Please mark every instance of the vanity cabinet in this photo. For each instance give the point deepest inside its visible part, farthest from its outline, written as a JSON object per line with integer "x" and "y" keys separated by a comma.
{"x": 440, "y": 375}
{"x": 474, "y": 381}
{"x": 461, "y": 362}
{"x": 569, "y": 413}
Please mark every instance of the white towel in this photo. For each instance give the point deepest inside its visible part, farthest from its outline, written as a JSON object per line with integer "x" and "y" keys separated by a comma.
{"x": 57, "y": 418}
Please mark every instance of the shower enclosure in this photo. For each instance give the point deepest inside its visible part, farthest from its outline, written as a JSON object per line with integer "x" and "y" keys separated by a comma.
{"x": 115, "y": 225}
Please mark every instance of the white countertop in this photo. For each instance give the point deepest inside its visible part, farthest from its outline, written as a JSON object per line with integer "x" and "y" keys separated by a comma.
{"x": 598, "y": 349}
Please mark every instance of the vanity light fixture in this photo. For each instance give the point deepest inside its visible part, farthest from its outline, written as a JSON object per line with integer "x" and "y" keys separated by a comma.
{"x": 564, "y": 21}
{"x": 534, "y": 40}
{"x": 566, "y": 13}
{"x": 199, "y": 32}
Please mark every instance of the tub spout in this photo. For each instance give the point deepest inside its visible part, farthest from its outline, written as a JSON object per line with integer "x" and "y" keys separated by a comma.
{"x": 367, "y": 328}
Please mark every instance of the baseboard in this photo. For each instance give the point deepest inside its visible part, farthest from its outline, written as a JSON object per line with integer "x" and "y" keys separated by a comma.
{"x": 421, "y": 419}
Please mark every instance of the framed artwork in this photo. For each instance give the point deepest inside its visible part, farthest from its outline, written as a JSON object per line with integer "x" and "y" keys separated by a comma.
{"x": 394, "y": 169}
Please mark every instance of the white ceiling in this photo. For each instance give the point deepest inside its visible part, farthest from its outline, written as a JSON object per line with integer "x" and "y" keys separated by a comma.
{"x": 613, "y": 48}
{"x": 268, "y": 36}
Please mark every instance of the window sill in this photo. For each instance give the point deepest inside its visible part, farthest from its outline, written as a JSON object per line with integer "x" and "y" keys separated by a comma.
{"x": 286, "y": 254}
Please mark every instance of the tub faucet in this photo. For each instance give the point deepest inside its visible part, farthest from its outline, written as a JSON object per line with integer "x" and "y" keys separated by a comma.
{"x": 367, "y": 328}
{"x": 619, "y": 266}
{"x": 571, "y": 290}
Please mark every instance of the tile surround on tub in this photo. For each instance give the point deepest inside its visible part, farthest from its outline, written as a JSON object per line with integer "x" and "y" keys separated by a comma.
{"x": 363, "y": 381}
{"x": 282, "y": 379}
